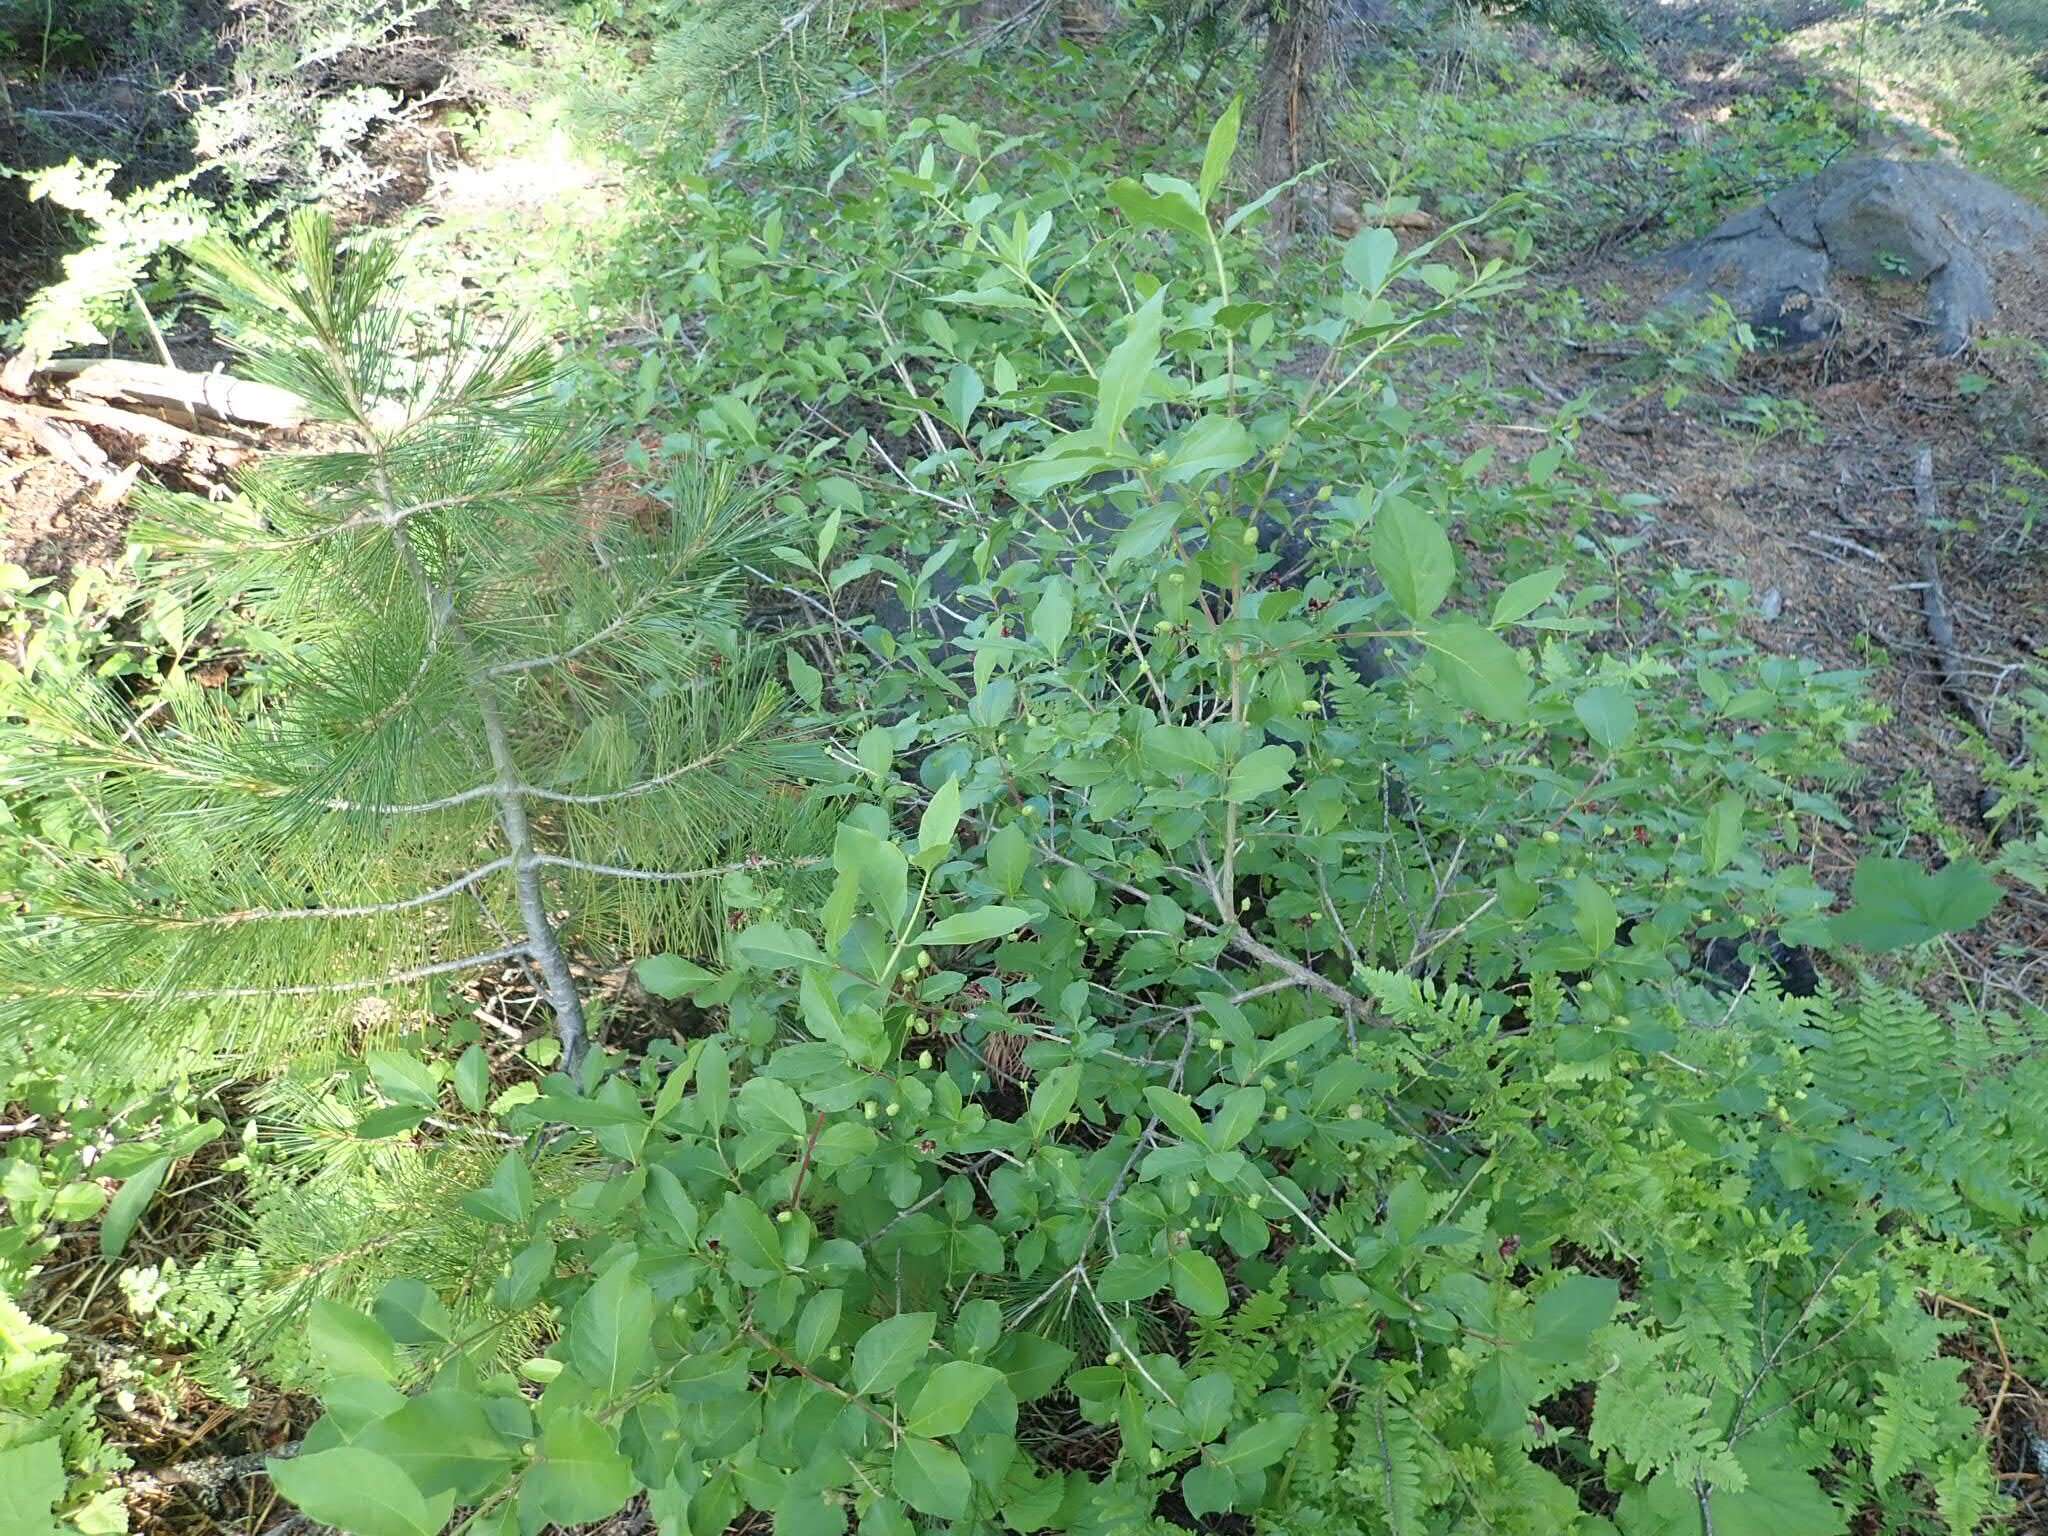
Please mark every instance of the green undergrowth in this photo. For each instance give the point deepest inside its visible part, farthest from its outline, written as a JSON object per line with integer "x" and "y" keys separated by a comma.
{"x": 1275, "y": 1013}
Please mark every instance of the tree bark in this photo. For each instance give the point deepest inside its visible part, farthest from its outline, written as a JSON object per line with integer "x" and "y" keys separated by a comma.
{"x": 1300, "y": 51}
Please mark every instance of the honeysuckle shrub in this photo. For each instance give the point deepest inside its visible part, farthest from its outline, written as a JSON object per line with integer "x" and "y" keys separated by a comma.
{"x": 1215, "y": 1090}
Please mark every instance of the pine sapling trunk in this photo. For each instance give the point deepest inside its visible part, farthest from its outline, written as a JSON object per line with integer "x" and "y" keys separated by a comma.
{"x": 543, "y": 945}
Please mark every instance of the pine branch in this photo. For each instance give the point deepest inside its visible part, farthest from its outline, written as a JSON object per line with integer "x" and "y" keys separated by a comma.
{"x": 302, "y": 914}
{"x": 389, "y": 979}
{"x": 673, "y": 876}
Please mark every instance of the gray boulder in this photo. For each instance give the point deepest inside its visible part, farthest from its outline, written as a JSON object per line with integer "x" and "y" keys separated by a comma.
{"x": 1924, "y": 220}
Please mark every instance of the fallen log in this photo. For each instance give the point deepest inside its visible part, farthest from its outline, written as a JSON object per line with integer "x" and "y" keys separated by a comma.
{"x": 151, "y": 386}
{"x": 76, "y": 452}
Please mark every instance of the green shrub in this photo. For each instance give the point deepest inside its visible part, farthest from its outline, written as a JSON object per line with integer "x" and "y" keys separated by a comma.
{"x": 1214, "y": 1085}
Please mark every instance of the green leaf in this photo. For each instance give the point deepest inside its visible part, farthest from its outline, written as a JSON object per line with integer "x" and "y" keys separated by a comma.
{"x": 963, "y": 395}
{"x": 1208, "y": 1489}
{"x": 1795, "y": 1161}
{"x": 1262, "y": 1442}
{"x": 1121, "y": 384}
{"x": 473, "y": 1079}
{"x": 125, "y": 1210}
{"x": 817, "y": 1324}
{"x": 1593, "y": 915}
{"x": 1567, "y": 1316}
{"x": 1480, "y": 670}
{"x": 1239, "y": 1112}
{"x": 1779, "y": 1500}
{"x": 930, "y": 1478}
{"x": 1178, "y": 750}
{"x": 611, "y": 1332}
{"x": 949, "y": 1397}
{"x": 1608, "y": 714}
{"x": 525, "y": 1273}
{"x": 1222, "y": 145}
{"x": 444, "y": 1442}
{"x": 1896, "y": 903}
{"x": 580, "y": 1477}
{"x": 1521, "y": 598}
{"x": 1198, "y": 1283}
{"x": 1067, "y": 459}
{"x": 1176, "y": 208}
{"x": 1178, "y": 1116}
{"x": 394, "y": 1120}
{"x": 880, "y": 867}
{"x": 714, "y": 1081}
{"x": 1145, "y": 534}
{"x": 1133, "y": 1277}
{"x": 404, "y": 1080}
{"x": 412, "y": 1313}
{"x": 1412, "y": 555}
{"x": 360, "y": 1492}
{"x": 1009, "y": 857}
{"x": 1369, "y": 258}
{"x": 750, "y": 1240}
{"x": 876, "y": 751}
{"x": 935, "y": 827}
{"x": 1210, "y": 445}
{"x": 1721, "y": 839}
{"x": 77, "y": 1202}
{"x": 770, "y": 1104}
{"x": 891, "y": 1350}
{"x": 671, "y": 976}
{"x": 31, "y": 1487}
{"x": 350, "y": 1343}
{"x": 1033, "y": 1363}
{"x": 1052, "y": 1099}
{"x": 806, "y": 679}
{"x": 1053, "y": 619}
{"x": 671, "y": 1203}
{"x": 1259, "y": 773}
{"x": 973, "y": 927}
{"x": 773, "y": 946}
{"x": 1503, "y": 1387}
{"x": 508, "y": 1199}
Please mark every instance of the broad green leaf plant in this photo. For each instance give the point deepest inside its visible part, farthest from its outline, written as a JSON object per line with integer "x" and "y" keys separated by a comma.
{"x": 1213, "y": 1085}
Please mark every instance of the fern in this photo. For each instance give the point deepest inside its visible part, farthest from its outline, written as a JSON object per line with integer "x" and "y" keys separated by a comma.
{"x": 1388, "y": 1466}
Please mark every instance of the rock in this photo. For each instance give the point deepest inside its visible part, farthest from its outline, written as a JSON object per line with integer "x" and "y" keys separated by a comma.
{"x": 1866, "y": 217}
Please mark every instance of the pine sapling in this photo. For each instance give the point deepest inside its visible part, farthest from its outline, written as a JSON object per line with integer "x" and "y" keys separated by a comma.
{"x": 477, "y": 728}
